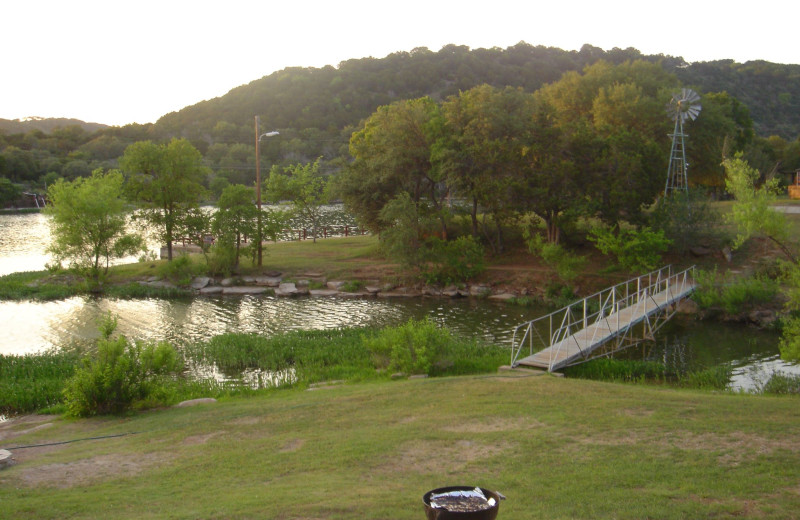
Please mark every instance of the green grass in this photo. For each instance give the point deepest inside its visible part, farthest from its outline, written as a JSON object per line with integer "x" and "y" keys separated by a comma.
{"x": 556, "y": 448}
{"x": 34, "y": 381}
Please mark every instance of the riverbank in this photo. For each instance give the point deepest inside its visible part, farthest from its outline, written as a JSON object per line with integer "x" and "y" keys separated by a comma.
{"x": 556, "y": 448}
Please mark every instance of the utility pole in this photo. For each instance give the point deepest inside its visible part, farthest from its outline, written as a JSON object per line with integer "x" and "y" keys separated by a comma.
{"x": 258, "y": 194}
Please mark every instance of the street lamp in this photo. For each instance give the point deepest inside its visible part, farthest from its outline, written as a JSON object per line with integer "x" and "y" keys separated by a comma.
{"x": 258, "y": 185}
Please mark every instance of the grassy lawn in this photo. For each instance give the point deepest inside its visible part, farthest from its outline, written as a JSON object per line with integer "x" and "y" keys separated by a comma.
{"x": 556, "y": 448}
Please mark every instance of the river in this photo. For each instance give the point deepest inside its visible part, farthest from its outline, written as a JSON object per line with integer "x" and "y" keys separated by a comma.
{"x": 32, "y": 326}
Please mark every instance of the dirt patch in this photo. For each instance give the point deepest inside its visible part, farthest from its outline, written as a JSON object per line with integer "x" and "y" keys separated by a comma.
{"x": 495, "y": 425}
{"x": 25, "y": 424}
{"x": 246, "y": 421}
{"x": 292, "y": 446}
{"x": 636, "y": 412}
{"x": 194, "y": 440}
{"x": 88, "y": 471}
{"x": 438, "y": 456}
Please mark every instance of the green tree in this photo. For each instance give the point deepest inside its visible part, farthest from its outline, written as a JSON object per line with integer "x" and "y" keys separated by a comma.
{"x": 751, "y": 213}
{"x": 9, "y": 192}
{"x": 391, "y": 155}
{"x": 88, "y": 223}
{"x": 165, "y": 180}
{"x": 235, "y": 218}
{"x": 304, "y": 186}
{"x": 485, "y": 132}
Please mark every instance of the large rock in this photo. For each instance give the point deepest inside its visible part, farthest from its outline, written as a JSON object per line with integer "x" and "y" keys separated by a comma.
{"x": 323, "y": 292}
{"x": 286, "y": 289}
{"x": 200, "y": 282}
{"x": 335, "y": 284}
{"x": 214, "y": 289}
{"x": 6, "y": 459}
{"x": 503, "y": 297}
{"x": 269, "y": 281}
{"x": 479, "y": 291}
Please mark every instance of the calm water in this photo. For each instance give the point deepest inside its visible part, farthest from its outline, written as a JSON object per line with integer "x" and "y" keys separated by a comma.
{"x": 30, "y": 326}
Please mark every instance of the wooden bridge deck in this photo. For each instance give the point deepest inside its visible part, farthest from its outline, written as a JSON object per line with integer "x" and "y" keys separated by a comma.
{"x": 580, "y": 344}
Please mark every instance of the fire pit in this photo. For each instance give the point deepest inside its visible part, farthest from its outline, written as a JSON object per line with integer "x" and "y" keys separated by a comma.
{"x": 461, "y": 503}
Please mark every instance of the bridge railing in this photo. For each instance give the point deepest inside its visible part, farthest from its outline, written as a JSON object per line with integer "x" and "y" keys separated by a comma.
{"x": 554, "y": 328}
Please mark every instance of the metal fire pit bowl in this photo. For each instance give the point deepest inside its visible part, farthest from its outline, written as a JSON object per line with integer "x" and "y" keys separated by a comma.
{"x": 434, "y": 513}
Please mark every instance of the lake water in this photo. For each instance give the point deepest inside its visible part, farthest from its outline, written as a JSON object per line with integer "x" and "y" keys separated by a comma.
{"x": 31, "y": 326}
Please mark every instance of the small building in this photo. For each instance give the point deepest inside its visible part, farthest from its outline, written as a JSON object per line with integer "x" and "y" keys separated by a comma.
{"x": 794, "y": 188}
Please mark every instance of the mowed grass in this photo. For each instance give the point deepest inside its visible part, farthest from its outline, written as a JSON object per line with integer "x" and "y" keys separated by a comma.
{"x": 557, "y": 448}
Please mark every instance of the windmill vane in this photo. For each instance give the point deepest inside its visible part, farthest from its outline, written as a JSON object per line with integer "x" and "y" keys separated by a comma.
{"x": 682, "y": 107}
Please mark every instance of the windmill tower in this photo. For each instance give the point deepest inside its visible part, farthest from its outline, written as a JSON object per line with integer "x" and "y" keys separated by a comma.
{"x": 682, "y": 106}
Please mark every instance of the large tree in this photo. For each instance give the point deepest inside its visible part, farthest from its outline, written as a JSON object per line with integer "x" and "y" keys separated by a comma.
{"x": 305, "y": 187}
{"x": 485, "y": 132}
{"x": 392, "y": 155}
{"x": 235, "y": 218}
{"x": 88, "y": 223}
{"x": 165, "y": 180}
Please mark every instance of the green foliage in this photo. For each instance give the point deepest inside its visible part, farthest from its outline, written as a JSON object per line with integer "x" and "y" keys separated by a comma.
{"x": 790, "y": 339}
{"x": 88, "y": 224}
{"x": 732, "y": 294}
{"x": 686, "y": 218}
{"x": 181, "y": 270}
{"x": 566, "y": 264}
{"x": 353, "y": 286}
{"x": 453, "y": 261}
{"x": 120, "y": 374}
{"x": 236, "y": 218}
{"x": 636, "y": 250}
{"x": 306, "y": 188}
{"x": 9, "y": 192}
{"x": 411, "y": 348}
{"x": 751, "y": 213}
{"x": 400, "y": 238}
{"x": 35, "y": 285}
{"x": 35, "y": 381}
{"x": 609, "y": 369}
{"x": 782, "y": 384}
{"x": 165, "y": 180}
{"x": 714, "y": 378}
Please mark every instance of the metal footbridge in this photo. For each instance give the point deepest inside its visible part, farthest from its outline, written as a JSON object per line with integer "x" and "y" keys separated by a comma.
{"x": 613, "y": 319}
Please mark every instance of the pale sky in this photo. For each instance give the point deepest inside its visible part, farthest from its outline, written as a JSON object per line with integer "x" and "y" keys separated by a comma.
{"x": 121, "y": 61}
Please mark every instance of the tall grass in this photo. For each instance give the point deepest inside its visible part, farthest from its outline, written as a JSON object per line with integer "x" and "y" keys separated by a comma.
{"x": 35, "y": 381}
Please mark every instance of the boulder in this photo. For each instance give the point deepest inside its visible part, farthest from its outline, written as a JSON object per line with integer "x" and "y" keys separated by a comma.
{"x": 6, "y": 459}
{"x": 335, "y": 285}
{"x": 700, "y": 251}
{"x": 323, "y": 292}
{"x": 200, "y": 282}
{"x": 286, "y": 289}
{"x": 213, "y": 289}
{"x": 268, "y": 281}
{"x": 479, "y": 290}
{"x": 503, "y": 297}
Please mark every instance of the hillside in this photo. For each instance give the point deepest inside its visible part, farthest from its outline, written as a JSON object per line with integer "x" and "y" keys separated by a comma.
{"x": 45, "y": 124}
{"x": 333, "y": 98}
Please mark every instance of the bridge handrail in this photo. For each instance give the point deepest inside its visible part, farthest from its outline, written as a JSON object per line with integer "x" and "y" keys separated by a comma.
{"x": 609, "y": 301}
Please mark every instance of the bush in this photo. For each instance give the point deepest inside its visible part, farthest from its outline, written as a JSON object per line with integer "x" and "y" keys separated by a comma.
{"x": 411, "y": 348}
{"x": 685, "y": 218}
{"x": 453, "y": 261}
{"x": 635, "y": 250}
{"x": 732, "y": 295}
{"x": 782, "y": 384}
{"x": 790, "y": 339}
{"x": 566, "y": 264}
{"x": 713, "y": 378}
{"x": 181, "y": 270}
{"x": 120, "y": 374}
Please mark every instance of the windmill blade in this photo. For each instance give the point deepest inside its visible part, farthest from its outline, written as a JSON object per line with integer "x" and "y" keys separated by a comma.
{"x": 692, "y": 96}
{"x": 693, "y": 111}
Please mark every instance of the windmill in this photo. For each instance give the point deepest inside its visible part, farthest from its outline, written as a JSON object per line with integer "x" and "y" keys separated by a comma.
{"x": 682, "y": 106}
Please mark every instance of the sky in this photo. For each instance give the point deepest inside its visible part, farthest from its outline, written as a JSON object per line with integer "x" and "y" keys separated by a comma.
{"x": 119, "y": 61}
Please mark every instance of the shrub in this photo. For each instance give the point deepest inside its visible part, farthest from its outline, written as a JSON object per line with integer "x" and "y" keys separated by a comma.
{"x": 453, "y": 261}
{"x": 790, "y": 339}
{"x": 120, "y": 374}
{"x": 635, "y": 250}
{"x": 713, "y": 378}
{"x": 411, "y": 348}
{"x": 732, "y": 295}
{"x": 566, "y": 264}
{"x": 782, "y": 384}
{"x": 181, "y": 270}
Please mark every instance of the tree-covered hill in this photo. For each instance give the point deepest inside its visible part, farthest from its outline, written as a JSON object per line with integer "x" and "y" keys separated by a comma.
{"x": 45, "y": 125}
{"x": 334, "y": 98}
